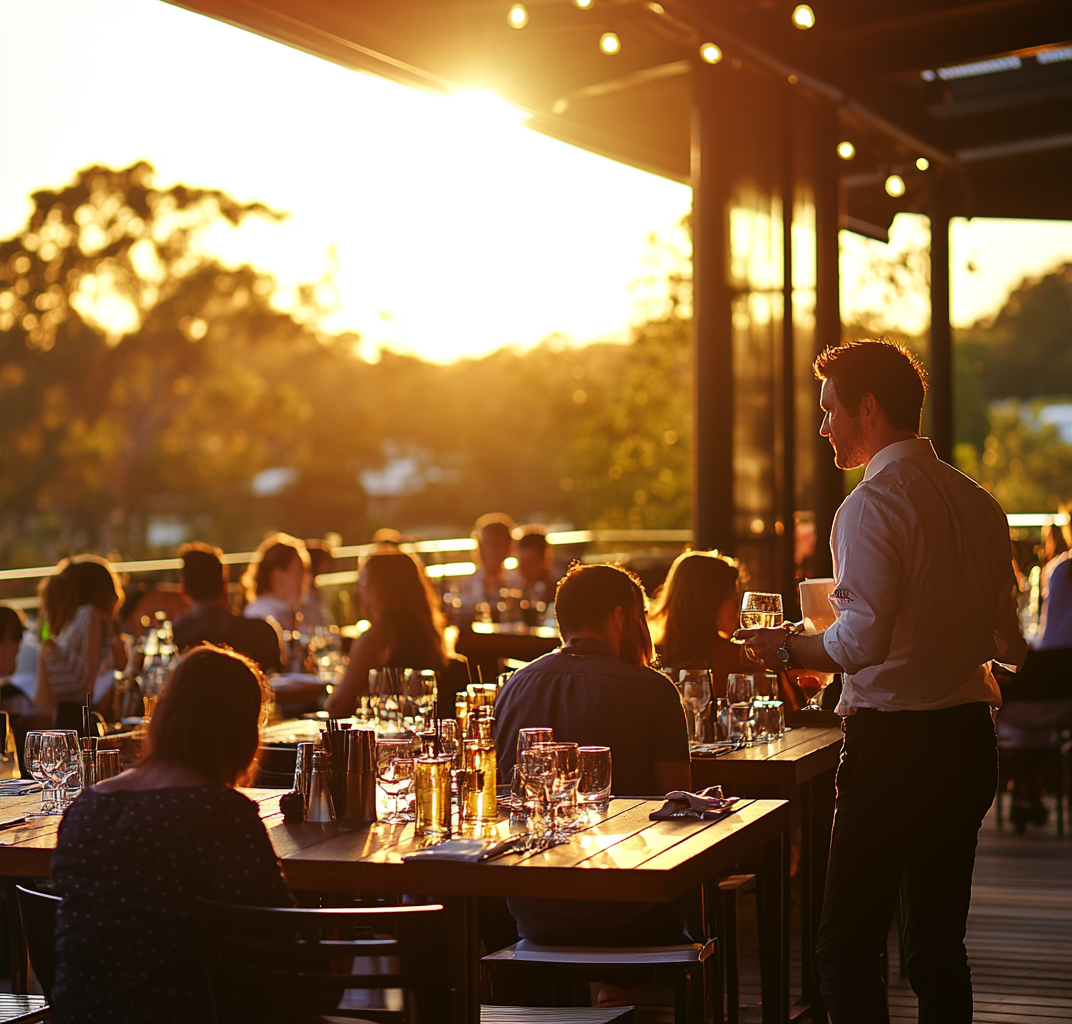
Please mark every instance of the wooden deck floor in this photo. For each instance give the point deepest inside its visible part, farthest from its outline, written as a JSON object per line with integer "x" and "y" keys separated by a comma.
{"x": 1019, "y": 933}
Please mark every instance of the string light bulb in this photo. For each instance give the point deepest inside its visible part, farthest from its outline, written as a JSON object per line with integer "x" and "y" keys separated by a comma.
{"x": 803, "y": 16}
{"x": 518, "y": 17}
{"x": 710, "y": 53}
{"x": 583, "y": 4}
{"x": 922, "y": 163}
{"x": 895, "y": 186}
{"x": 609, "y": 43}
{"x": 846, "y": 150}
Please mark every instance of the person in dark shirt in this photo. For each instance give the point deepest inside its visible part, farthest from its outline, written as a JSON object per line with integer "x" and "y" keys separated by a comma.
{"x": 597, "y": 690}
{"x": 135, "y": 852}
{"x": 210, "y": 621}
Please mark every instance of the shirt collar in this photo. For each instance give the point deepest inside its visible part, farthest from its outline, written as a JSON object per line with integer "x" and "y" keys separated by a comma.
{"x": 588, "y": 645}
{"x": 912, "y": 448}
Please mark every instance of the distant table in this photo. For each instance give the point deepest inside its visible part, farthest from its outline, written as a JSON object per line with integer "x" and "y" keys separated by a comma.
{"x": 624, "y": 857}
{"x": 798, "y": 766}
{"x": 484, "y": 643}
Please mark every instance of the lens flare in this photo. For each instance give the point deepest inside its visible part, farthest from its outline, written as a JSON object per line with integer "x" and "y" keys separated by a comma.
{"x": 518, "y": 16}
{"x": 895, "y": 186}
{"x": 803, "y": 16}
{"x": 710, "y": 53}
{"x": 922, "y": 163}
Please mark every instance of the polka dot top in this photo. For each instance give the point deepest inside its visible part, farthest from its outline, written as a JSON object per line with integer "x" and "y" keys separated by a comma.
{"x": 129, "y": 866}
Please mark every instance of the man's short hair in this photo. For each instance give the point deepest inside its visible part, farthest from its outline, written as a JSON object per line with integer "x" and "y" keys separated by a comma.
{"x": 882, "y": 368}
{"x": 533, "y": 538}
{"x": 203, "y": 575}
{"x": 588, "y": 594}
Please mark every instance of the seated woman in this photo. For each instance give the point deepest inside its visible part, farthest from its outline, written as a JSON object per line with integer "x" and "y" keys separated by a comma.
{"x": 80, "y": 648}
{"x": 695, "y": 613}
{"x": 136, "y": 851}
{"x": 405, "y": 631}
{"x": 274, "y": 581}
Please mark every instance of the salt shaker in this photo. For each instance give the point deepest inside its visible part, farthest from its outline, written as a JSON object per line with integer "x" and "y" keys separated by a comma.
{"x": 320, "y": 807}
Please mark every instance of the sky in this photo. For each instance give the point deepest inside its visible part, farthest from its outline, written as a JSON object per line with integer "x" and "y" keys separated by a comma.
{"x": 448, "y": 228}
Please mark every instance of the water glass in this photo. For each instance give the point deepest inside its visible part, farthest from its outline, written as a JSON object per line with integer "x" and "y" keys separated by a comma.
{"x": 431, "y": 785}
{"x": 770, "y": 719}
{"x": 525, "y": 738}
{"x": 722, "y": 719}
{"x": 394, "y": 769}
{"x": 742, "y": 723}
{"x": 447, "y": 737}
{"x": 593, "y": 786}
{"x": 761, "y": 611}
{"x": 108, "y": 764}
{"x": 765, "y": 685}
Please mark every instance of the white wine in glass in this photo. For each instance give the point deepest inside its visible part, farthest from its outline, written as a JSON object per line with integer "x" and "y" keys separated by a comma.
{"x": 761, "y": 611}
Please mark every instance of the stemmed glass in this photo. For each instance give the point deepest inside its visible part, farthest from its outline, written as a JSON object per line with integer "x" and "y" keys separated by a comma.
{"x": 394, "y": 768}
{"x": 696, "y": 695}
{"x": 51, "y": 757}
{"x": 761, "y": 611}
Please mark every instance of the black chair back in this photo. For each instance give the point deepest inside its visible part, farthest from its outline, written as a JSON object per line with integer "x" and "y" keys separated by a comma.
{"x": 269, "y": 964}
{"x": 38, "y": 911}
{"x": 1046, "y": 675}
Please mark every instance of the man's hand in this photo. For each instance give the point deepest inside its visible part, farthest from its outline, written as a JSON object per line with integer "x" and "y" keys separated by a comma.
{"x": 761, "y": 645}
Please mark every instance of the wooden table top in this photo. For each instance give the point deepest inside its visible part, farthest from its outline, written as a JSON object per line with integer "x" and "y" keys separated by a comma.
{"x": 796, "y": 756}
{"x": 625, "y": 856}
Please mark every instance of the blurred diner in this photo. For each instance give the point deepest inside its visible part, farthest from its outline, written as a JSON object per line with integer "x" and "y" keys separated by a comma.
{"x": 18, "y": 661}
{"x": 315, "y": 614}
{"x": 1055, "y": 620}
{"x": 134, "y": 853}
{"x": 481, "y": 593}
{"x": 275, "y": 580}
{"x": 405, "y": 627}
{"x": 211, "y": 621}
{"x": 597, "y": 690}
{"x": 80, "y": 648}
{"x": 694, "y": 614}
{"x": 535, "y": 574}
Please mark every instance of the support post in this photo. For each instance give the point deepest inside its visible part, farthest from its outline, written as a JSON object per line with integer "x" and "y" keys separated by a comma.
{"x": 788, "y": 492}
{"x": 829, "y": 480}
{"x": 712, "y": 450}
{"x": 941, "y": 368}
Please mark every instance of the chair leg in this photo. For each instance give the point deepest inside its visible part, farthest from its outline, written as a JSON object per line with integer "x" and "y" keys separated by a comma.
{"x": 733, "y": 979}
{"x": 681, "y": 998}
{"x": 1060, "y": 791}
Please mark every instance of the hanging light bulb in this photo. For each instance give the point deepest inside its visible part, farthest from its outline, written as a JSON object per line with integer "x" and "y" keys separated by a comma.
{"x": 803, "y": 16}
{"x": 710, "y": 53}
{"x": 609, "y": 43}
{"x": 583, "y": 4}
{"x": 846, "y": 150}
{"x": 895, "y": 186}
{"x": 518, "y": 16}
{"x": 922, "y": 163}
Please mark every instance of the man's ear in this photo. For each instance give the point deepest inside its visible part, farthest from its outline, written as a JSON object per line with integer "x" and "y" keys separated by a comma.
{"x": 617, "y": 617}
{"x": 868, "y": 406}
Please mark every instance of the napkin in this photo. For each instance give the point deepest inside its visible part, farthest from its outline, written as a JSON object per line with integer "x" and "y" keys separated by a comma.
{"x": 465, "y": 851}
{"x": 702, "y": 805}
{"x": 19, "y": 787}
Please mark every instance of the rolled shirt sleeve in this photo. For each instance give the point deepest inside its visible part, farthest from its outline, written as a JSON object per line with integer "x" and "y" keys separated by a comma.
{"x": 868, "y": 564}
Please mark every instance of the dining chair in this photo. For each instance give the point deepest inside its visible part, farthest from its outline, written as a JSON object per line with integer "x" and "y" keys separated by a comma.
{"x": 38, "y": 912}
{"x": 270, "y": 964}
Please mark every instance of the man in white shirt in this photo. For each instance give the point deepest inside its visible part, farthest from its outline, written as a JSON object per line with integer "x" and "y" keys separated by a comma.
{"x": 925, "y": 593}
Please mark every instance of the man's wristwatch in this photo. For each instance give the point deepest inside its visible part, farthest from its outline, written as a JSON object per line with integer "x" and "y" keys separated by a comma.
{"x": 782, "y": 654}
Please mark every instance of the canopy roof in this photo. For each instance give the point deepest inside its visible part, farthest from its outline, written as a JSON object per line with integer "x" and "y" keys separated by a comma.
{"x": 981, "y": 88}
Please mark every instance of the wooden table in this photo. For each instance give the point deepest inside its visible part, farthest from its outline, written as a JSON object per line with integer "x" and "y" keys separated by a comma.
{"x": 624, "y": 857}
{"x": 799, "y": 766}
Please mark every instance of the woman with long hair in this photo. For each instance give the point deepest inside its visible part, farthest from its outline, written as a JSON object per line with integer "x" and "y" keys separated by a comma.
{"x": 79, "y": 645}
{"x": 405, "y": 626}
{"x": 136, "y": 851}
{"x": 274, "y": 581}
{"x": 695, "y": 613}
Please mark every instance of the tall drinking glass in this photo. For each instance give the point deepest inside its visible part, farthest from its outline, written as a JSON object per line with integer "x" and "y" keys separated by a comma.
{"x": 593, "y": 786}
{"x": 525, "y": 738}
{"x": 761, "y": 611}
{"x": 431, "y": 784}
{"x": 394, "y": 769}
{"x": 739, "y": 692}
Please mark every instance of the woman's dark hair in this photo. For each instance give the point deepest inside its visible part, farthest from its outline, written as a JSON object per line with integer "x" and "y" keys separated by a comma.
{"x": 882, "y": 368}
{"x": 12, "y": 624}
{"x": 588, "y": 594}
{"x": 685, "y": 612}
{"x": 275, "y": 552}
{"x": 97, "y": 583}
{"x": 208, "y": 717}
{"x": 403, "y": 603}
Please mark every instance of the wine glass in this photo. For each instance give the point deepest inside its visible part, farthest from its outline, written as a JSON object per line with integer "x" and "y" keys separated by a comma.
{"x": 761, "y": 611}
{"x": 394, "y": 768}
{"x": 51, "y": 757}
{"x": 696, "y": 693}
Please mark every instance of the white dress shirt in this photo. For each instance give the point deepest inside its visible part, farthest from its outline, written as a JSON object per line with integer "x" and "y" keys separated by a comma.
{"x": 924, "y": 587}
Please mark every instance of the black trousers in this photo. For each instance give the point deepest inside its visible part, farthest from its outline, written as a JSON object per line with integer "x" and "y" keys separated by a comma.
{"x": 912, "y": 790}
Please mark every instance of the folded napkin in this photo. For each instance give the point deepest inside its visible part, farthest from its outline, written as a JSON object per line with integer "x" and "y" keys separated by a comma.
{"x": 703, "y": 805}
{"x": 714, "y": 749}
{"x": 466, "y": 851}
{"x": 19, "y": 787}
